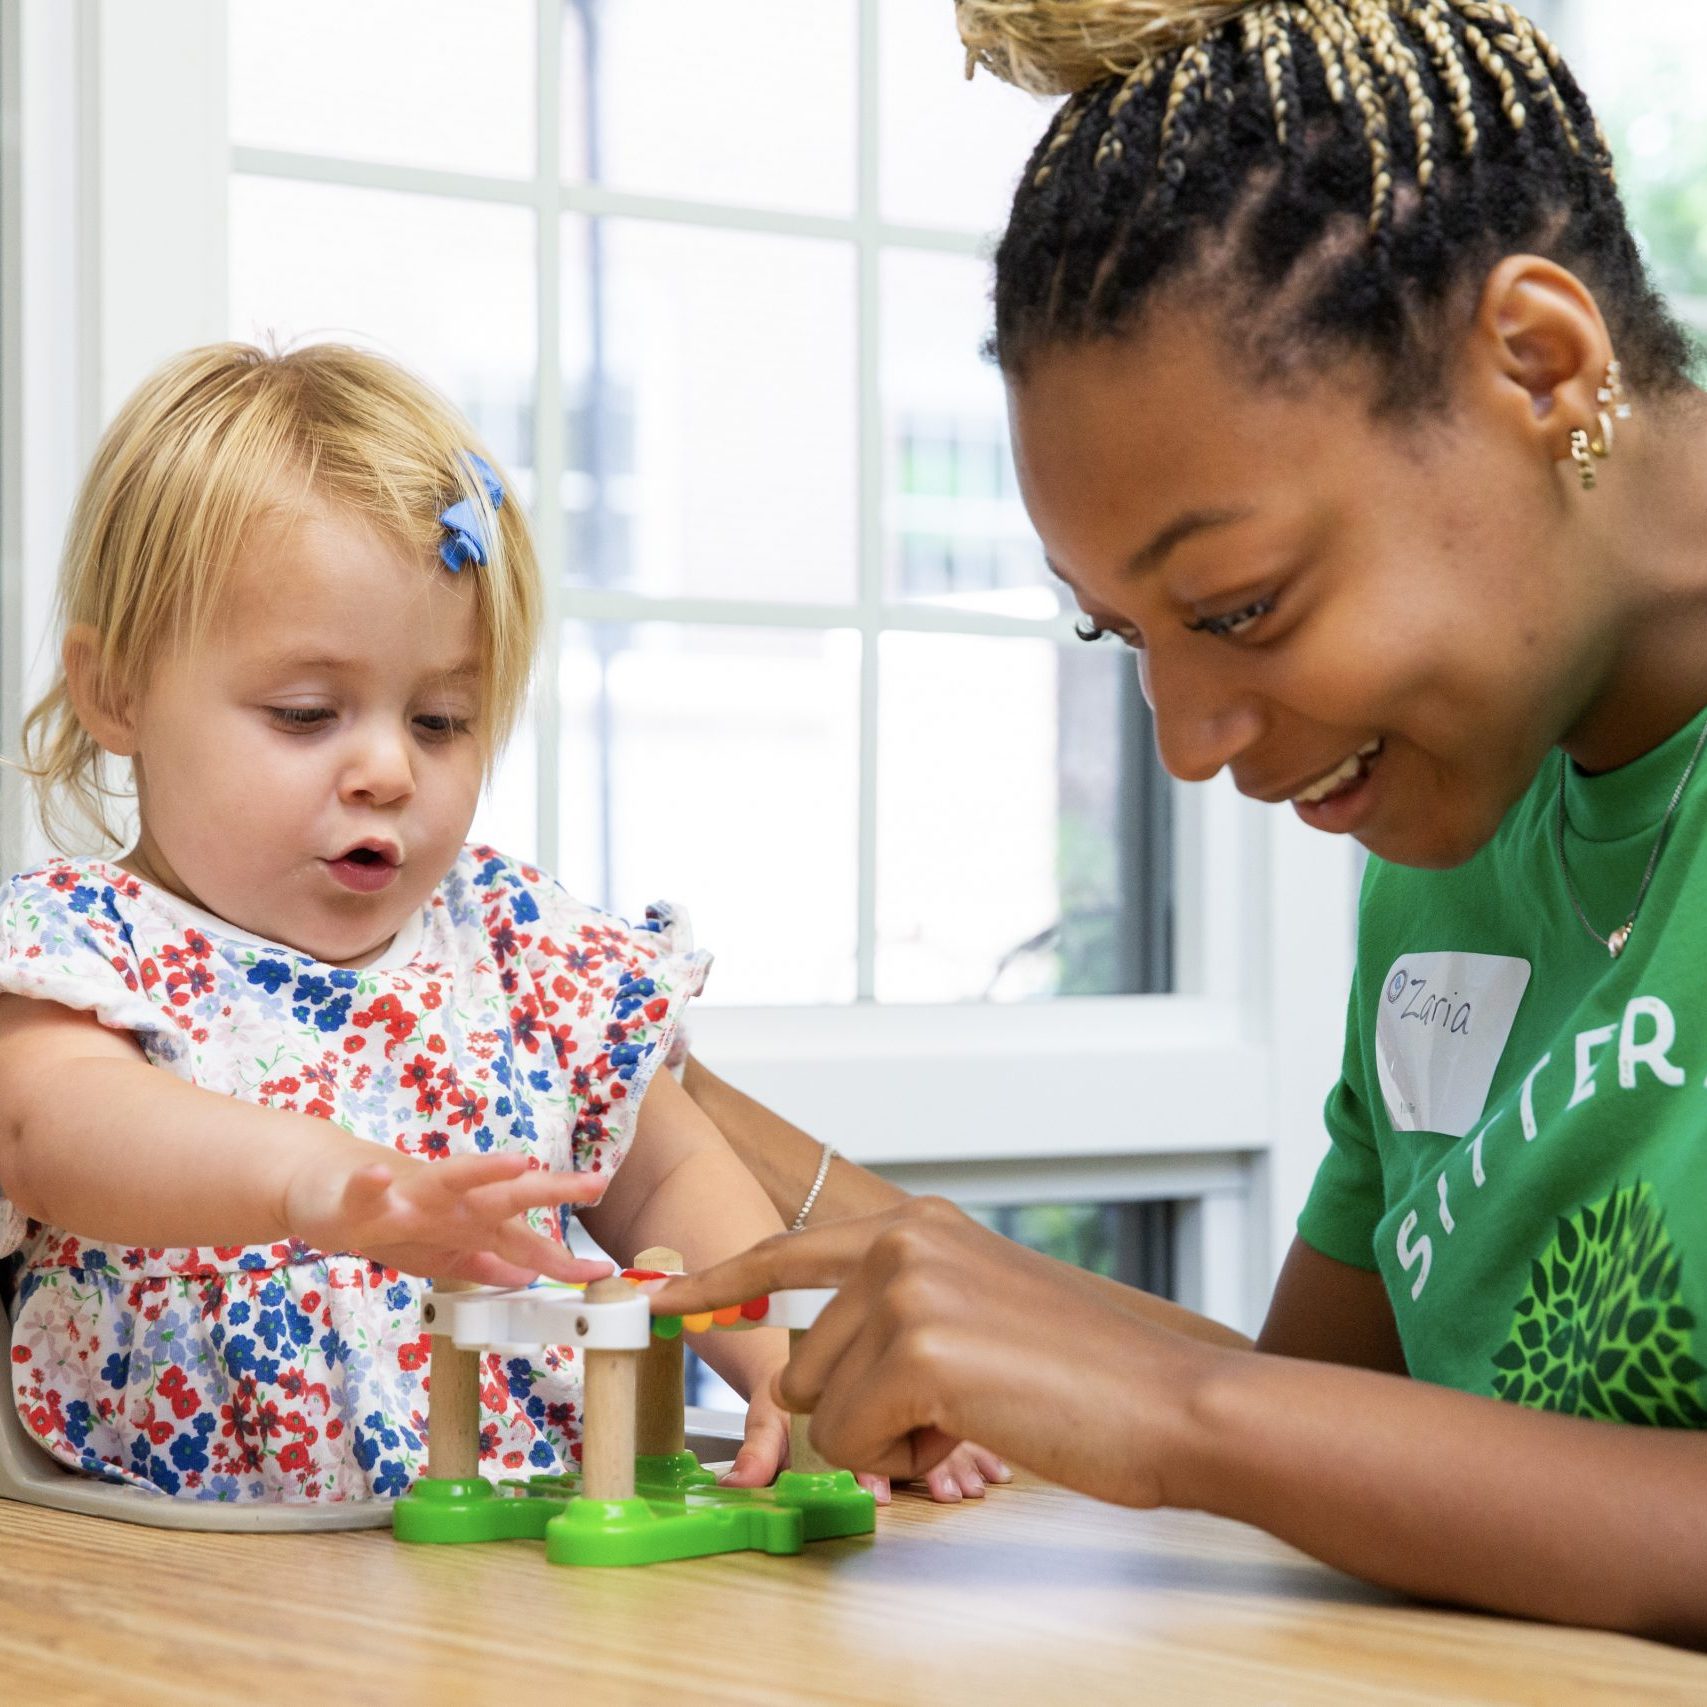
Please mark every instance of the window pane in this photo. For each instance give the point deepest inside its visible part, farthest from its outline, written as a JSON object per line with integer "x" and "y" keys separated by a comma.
{"x": 417, "y": 82}
{"x": 1134, "y": 1243}
{"x": 1023, "y": 828}
{"x": 955, "y": 531}
{"x": 315, "y": 261}
{"x": 710, "y": 412}
{"x": 1649, "y": 86}
{"x": 952, "y": 150}
{"x": 751, "y": 104}
{"x": 719, "y": 768}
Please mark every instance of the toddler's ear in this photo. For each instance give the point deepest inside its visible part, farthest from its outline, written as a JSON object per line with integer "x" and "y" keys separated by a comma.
{"x": 101, "y": 708}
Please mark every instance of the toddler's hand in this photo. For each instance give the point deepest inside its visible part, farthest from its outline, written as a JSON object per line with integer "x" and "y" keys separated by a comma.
{"x": 962, "y": 1475}
{"x": 764, "y": 1451}
{"x": 459, "y": 1219}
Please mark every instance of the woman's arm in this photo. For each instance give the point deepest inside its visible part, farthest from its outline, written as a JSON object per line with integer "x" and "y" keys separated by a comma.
{"x": 784, "y": 1160}
{"x": 942, "y": 1329}
{"x": 96, "y": 1140}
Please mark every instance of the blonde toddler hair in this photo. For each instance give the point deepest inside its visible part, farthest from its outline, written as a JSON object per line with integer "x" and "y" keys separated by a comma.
{"x": 217, "y": 441}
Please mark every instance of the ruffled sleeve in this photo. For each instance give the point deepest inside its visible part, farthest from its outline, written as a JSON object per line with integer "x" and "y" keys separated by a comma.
{"x": 608, "y": 995}
{"x": 64, "y": 938}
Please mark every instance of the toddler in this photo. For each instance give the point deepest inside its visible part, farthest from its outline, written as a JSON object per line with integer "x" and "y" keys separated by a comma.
{"x": 300, "y": 1046}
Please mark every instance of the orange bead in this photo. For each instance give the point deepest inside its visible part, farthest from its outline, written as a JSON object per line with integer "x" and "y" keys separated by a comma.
{"x": 727, "y": 1318}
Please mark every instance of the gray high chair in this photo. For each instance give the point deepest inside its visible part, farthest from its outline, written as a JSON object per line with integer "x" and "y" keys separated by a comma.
{"x": 32, "y": 1475}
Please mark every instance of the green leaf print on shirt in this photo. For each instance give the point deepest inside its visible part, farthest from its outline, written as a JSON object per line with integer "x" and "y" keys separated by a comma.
{"x": 1601, "y": 1332}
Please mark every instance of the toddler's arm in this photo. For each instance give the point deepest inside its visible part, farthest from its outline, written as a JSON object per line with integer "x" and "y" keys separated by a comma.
{"x": 96, "y": 1140}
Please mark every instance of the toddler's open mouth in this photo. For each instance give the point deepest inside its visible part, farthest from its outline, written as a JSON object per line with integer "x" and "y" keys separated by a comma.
{"x": 366, "y": 868}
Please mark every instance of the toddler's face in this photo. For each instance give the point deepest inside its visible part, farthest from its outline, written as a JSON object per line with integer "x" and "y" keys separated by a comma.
{"x": 309, "y": 772}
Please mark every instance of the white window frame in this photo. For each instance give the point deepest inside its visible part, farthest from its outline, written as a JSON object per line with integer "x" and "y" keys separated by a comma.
{"x": 121, "y": 167}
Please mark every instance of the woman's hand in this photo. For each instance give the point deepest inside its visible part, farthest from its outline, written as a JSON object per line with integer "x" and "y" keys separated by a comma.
{"x": 943, "y": 1331}
{"x": 463, "y": 1218}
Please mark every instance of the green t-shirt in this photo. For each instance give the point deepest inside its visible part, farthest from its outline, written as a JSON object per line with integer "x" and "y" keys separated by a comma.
{"x": 1520, "y": 1132}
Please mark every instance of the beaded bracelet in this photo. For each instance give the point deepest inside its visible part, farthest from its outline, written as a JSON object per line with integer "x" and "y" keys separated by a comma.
{"x": 817, "y": 1186}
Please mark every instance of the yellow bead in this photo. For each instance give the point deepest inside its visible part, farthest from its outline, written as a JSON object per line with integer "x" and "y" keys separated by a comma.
{"x": 697, "y": 1324}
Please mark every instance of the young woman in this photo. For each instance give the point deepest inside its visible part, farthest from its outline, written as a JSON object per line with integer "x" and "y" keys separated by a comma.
{"x": 1338, "y": 392}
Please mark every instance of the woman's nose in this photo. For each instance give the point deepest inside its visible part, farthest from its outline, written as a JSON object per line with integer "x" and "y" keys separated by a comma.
{"x": 1202, "y": 723}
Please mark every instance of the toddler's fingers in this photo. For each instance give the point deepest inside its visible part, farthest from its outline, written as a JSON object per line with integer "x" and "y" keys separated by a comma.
{"x": 876, "y": 1486}
{"x": 516, "y": 1243}
{"x": 944, "y": 1485}
{"x": 986, "y": 1463}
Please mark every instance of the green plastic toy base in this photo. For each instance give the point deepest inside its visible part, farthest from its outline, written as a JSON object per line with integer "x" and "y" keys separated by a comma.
{"x": 679, "y": 1512}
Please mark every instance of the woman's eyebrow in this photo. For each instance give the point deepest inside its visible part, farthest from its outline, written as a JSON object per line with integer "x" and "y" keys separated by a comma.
{"x": 1178, "y": 531}
{"x": 1175, "y": 534}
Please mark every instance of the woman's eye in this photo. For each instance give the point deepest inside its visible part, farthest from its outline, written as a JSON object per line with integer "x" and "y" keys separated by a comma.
{"x": 298, "y": 716}
{"x": 1091, "y": 630}
{"x": 1235, "y": 623}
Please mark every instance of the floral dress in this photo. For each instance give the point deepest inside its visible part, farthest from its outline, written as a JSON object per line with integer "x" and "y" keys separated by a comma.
{"x": 505, "y": 1016}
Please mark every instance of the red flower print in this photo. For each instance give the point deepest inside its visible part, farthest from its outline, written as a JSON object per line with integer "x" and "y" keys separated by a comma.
{"x": 62, "y": 879}
{"x": 414, "y": 1354}
{"x": 419, "y": 1072}
{"x": 293, "y": 1456}
{"x": 21, "y": 1354}
{"x": 466, "y": 1108}
{"x": 436, "y": 1145}
{"x": 353, "y": 1044}
{"x": 657, "y": 1008}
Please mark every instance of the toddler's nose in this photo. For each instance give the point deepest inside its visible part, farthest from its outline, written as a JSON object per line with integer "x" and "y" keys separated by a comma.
{"x": 380, "y": 769}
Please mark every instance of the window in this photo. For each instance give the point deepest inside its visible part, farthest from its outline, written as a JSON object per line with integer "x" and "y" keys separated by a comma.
{"x": 775, "y": 483}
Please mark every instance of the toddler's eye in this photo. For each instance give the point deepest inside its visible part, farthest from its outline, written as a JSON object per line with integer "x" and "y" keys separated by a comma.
{"x": 298, "y": 716}
{"x": 1237, "y": 622}
{"x": 440, "y": 727}
{"x": 1088, "y": 631}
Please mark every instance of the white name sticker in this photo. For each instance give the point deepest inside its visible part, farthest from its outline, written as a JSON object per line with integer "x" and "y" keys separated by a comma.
{"x": 1441, "y": 1027}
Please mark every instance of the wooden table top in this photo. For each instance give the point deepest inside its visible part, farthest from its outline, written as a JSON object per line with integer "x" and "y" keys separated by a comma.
{"x": 1032, "y": 1596}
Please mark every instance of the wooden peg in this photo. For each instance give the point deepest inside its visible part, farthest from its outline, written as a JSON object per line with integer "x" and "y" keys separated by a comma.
{"x": 453, "y": 1403}
{"x": 608, "y": 1409}
{"x": 659, "y": 1427}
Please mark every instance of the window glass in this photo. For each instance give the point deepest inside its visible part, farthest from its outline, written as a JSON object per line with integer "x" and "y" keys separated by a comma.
{"x": 436, "y": 83}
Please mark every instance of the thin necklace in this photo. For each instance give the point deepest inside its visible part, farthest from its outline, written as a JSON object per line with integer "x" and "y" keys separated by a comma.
{"x": 1614, "y": 944}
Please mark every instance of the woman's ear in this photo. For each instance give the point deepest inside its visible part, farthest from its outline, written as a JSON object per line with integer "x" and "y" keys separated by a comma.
{"x": 1542, "y": 348}
{"x": 101, "y": 708}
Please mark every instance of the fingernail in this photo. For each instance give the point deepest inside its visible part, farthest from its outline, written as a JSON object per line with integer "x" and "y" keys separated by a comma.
{"x": 1001, "y": 1473}
{"x": 973, "y": 1487}
{"x": 950, "y": 1493}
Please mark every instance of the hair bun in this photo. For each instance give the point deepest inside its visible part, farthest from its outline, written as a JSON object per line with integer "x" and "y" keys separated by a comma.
{"x": 1058, "y": 47}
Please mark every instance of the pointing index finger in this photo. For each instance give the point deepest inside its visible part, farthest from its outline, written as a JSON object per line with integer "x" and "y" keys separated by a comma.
{"x": 826, "y": 1256}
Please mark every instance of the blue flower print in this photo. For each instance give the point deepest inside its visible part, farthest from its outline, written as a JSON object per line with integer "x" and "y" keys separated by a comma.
{"x": 392, "y": 1479}
{"x": 189, "y": 1451}
{"x": 271, "y": 975}
{"x": 397, "y": 1297}
{"x": 541, "y": 1456}
{"x": 116, "y": 1370}
{"x": 540, "y": 1079}
{"x": 252, "y": 1260}
{"x": 82, "y": 898}
{"x": 523, "y": 908}
{"x": 79, "y": 1419}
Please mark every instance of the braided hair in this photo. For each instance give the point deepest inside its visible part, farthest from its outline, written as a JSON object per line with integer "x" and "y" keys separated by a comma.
{"x": 1335, "y": 175}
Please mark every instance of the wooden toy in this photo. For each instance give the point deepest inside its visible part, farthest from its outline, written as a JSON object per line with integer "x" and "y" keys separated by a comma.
{"x": 640, "y": 1496}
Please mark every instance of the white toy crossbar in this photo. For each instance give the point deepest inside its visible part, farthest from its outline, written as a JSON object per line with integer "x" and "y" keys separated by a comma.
{"x": 522, "y": 1320}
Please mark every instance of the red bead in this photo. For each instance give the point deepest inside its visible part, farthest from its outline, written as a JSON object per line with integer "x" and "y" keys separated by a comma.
{"x": 756, "y": 1309}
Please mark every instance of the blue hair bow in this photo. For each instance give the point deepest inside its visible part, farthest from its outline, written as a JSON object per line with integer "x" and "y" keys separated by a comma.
{"x": 465, "y": 540}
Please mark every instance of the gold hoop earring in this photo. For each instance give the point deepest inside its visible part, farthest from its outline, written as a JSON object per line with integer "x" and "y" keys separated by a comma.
{"x": 1614, "y": 406}
{"x": 1582, "y": 454}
